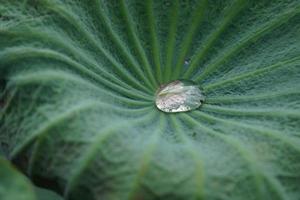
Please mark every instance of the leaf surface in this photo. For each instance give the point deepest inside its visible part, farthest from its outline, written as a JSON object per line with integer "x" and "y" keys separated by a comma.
{"x": 13, "y": 185}
{"x": 78, "y": 83}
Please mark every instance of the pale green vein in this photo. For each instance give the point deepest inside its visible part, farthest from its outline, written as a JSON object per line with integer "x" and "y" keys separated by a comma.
{"x": 78, "y": 53}
{"x": 34, "y": 96}
{"x": 196, "y": 20}
{"x": 199, "y": 166}
{"x": 170, "y": 45}
{"x": 58, "y": 40}
{"x": 154, "y": 40}
{"x": 34, "y": 154}
{"x": 252, "y": 74}
{"x": 8, "y": 102}
{"x": 136, "y": 41}
{"x": 257, "y": 129}
{"x": 91, "y": 153}
{"x": 234, "y": 145}
{"x": 27, "y": 52}
{"x": 248, "y": 156}
{"x": 255, "y": 35}
{"x": 54, "y": 75}
{"x": 123, "y": 50}
{"x": 40, "y": 138}
{"x": 146, "y": 157}
{"x": 82, "y": 106}
{"x": 229, "y": 15}
{"x": 278, "y": 188}
{"x": 81, "y": 28}
{"x": 254, "y": 97}
{"x": 273, "y": 112}
{"x": 71, "y": 112}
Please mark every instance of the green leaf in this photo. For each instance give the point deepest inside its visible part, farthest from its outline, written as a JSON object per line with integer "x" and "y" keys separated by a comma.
{"x": 1, "y": 152}
{"x": 43, "y": 194}
{"x": 13, "y": 185}
{"x": 78, "y": 82}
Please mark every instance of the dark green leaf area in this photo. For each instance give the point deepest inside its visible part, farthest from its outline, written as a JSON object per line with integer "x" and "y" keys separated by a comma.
{"x": 13, "y": 185}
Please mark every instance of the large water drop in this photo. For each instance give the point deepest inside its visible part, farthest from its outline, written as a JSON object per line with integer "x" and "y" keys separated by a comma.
{"x": 179, "y": 96}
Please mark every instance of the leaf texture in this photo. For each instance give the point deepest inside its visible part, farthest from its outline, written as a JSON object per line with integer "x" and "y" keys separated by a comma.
{"x": 78, "y": 80}
{"x": 14, "y": 185}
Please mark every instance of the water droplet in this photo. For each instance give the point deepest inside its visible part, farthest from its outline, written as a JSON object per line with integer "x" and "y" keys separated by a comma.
{"x": 186, "y": 62}
{"x": 179, "y": 96}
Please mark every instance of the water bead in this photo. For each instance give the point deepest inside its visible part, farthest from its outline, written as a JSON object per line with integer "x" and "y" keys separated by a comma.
{"x": 179, "y": 96}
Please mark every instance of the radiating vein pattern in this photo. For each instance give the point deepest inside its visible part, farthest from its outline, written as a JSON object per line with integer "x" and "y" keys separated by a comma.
{"x": 77, "y": 97}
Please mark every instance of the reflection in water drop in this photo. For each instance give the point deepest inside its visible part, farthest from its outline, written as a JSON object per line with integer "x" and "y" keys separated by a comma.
{"x": 179, "y": 96}
{"x": 186, "y": 62}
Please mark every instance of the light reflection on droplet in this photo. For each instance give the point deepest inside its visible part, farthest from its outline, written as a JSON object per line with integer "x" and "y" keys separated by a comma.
{"x": 179, "y": 96}
{"x": 186, "y": 62}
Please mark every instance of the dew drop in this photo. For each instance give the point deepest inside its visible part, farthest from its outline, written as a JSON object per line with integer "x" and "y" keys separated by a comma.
{"x": 186, "y": 62}
{"x": 179, "y": 96}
